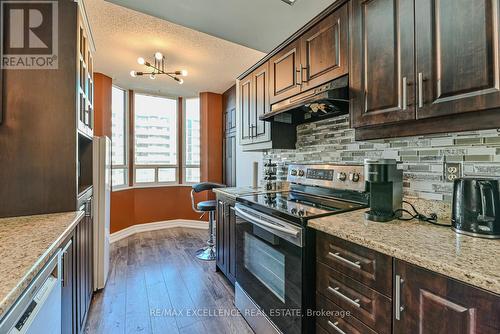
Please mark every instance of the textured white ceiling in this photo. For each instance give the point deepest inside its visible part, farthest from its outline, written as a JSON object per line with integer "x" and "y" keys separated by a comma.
{"x": 121, "y": 35}
{"x": 258, "y": 24}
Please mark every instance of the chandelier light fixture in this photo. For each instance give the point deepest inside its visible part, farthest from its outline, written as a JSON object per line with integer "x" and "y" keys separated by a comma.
{"x": 158, "y": 67}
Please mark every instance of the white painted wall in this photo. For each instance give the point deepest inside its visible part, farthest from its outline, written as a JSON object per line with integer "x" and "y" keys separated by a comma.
{"x": 244, "y": 160}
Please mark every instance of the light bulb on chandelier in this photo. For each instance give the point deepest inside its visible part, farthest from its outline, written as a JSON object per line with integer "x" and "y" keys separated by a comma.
{"x": 158, "y": 67}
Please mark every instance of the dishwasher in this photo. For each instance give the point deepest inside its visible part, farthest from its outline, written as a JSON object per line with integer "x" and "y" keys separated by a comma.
{"x": 38, "y": 310}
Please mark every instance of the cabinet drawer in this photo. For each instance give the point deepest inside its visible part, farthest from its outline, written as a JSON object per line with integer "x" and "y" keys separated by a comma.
{"x": 337, "y": 322}
{"x": 365, "y": 265}
{"x": 369, "y": 306}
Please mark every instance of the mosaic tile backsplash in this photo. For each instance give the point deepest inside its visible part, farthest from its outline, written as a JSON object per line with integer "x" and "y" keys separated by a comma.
{"x": 422, "y": 158}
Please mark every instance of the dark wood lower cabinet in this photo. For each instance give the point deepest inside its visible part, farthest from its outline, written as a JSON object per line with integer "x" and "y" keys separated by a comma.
{"x": 226, "y": 237}
{"x": 433, "y": 303}
{"x": 419, "y": 301}
{"x": 365, "y": 304}
{"x": 77, "y": 272}
{"x": 85, "y": 263}
{"x": 68, "y": 307}
{"x": 337, "y": 320}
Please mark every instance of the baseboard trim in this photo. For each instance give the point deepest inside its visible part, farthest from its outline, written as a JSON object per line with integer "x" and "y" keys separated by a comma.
{"x": 131, "y": 230}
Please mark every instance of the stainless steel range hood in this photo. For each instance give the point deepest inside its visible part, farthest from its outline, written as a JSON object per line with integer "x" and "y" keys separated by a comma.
{"x": 328, "y": 100}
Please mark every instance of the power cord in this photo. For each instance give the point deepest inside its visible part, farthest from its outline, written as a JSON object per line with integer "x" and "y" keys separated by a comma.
{"x": 432, "y": 219}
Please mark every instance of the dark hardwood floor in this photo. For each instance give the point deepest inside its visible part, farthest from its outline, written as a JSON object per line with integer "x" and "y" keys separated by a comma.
{"x": 156, "y": 285}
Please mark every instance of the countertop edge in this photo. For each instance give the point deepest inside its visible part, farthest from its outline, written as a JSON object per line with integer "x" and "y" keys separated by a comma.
{"x": 469, "y": 278}
{"x": 29, "y": 276}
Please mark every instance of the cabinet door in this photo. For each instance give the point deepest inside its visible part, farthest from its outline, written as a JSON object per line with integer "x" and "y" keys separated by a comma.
{"x": 382, "y": 62}
{"x": 245, "y": 110}
{"x": 81, "y": 239}
{"x": 228, "y": 239}
{"x": 260, "y": 105}
{"x": 457, "y": 53}
{"x": 231, "y": 231}
{"x": 220, "y": 245}
{"x": 285, "y": 70}
{"x": 433, "y": 303}
{"x": 324, "y": 49}
{"x": 230, "y": 120}
{"x": 90, "y": 259}
{"x": 230, "y": 160}
{"x": 68, "y": 300}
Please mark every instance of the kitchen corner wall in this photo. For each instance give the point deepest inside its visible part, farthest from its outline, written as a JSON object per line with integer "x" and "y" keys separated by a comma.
{"x": 422, "y": 157}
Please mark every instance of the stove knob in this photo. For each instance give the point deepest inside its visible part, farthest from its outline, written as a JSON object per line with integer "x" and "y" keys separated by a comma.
{"x": 354, "y": 177}
{"x": 301, "y": 172}
{"x": 293, "y": 172}
{"x": 301, "y": 213}
{"x": 342, "y": 176}
{"x": 293, "y": 211}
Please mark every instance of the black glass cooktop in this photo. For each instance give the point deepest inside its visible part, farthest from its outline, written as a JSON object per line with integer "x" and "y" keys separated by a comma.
{"x": 297, "y": 205}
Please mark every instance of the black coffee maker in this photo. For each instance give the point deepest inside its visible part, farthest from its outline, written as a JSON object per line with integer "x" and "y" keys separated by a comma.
{"x": 386, "y": 189}
{"x": 476, "y": 207}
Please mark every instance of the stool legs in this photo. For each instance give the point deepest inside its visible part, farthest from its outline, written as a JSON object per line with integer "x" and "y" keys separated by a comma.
{"x": 207, "y": 253}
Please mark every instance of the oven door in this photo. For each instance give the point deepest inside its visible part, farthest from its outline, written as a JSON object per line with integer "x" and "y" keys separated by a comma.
{"x": 269, "y": 267}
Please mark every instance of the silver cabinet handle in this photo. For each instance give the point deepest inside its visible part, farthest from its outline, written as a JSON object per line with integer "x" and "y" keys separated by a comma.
{"x": 336, "y": 327}
{"x": 299, "y": 73}
{"x": 404, "y": 93}
{"x": 302, "y": 68}
{"x": 336, "y": 291}
{"x": 420, "y": 90}
{"x": 397, "y": 297}
{"x": 343, "y": 259}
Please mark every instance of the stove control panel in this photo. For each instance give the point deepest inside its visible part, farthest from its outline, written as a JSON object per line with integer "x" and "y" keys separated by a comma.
{"x": 345, "y": 177}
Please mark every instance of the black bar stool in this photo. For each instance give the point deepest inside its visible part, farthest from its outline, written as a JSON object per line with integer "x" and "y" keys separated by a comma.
{"x": 207, "y": 253}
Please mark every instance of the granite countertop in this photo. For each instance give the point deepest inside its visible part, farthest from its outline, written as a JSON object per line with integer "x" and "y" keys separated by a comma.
{"x": 26, "y": 245}
{"x": 439, "y": 249}
{"x": 235, "y": 192}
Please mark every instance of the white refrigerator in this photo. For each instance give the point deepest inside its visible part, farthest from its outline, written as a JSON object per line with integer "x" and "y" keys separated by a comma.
{"x": 102, "y": 205}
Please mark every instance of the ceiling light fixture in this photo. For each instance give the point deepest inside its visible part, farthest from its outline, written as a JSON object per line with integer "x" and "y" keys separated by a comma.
{"x": 289, "y": 2}
{"x": 158, "y": 68}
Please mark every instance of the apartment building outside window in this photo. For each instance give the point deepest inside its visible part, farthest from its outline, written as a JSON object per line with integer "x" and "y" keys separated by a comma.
{"x": 155, "y": 130}
{"x": 119, "y": 159}
{"x": 192, "y": 141}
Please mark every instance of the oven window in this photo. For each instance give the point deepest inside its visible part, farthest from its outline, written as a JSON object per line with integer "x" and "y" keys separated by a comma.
{"x": 266, "y": 264}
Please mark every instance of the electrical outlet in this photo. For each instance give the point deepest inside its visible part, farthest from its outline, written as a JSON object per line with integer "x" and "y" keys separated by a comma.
{"x": 452, "y": 170}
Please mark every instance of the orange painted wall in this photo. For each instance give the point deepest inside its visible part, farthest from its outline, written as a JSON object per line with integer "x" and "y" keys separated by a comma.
{"x": 145, "y": 205}
{"x": 102, "y": 105}
{"x": 211, "y": 137}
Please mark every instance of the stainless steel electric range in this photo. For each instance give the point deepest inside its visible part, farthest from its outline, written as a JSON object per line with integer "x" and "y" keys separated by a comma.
{"x": 275, "y": 250}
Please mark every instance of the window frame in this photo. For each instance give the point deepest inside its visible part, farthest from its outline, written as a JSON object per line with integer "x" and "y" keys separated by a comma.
{"x": 126, "y": 165}
{"x": 156, "y": 167}
{"x": 185, "y": 166}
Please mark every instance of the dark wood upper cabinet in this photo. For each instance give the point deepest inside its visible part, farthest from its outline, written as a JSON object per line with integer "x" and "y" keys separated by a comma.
{"x": 285, "y": 70}
{"x": 432, "y": 303}
{"x": 422, "y": 67}
{"x": 256, "y": 134}
{"x": 457, "y": 56}
{"x": 382, "y": 62}
{"x": 324, "y": 49}
{"x": 245, "y": 109}
{"x": 261, "y": 103}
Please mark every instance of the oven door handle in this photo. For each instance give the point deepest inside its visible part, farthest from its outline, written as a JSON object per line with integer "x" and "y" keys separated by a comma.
{"x": 262, "y": 223}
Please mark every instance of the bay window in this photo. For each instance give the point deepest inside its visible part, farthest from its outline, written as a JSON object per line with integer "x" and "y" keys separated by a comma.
{"x": 162, "y": 130}
{"x": 119, "y": 161}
